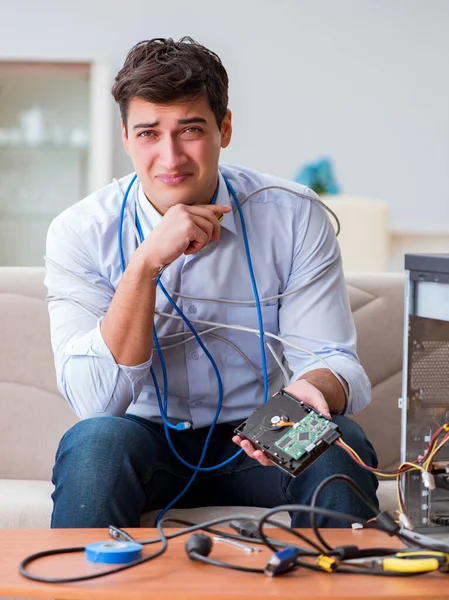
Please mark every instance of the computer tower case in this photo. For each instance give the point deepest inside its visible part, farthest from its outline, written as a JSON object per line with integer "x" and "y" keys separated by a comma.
{"x": 425, "y": 386}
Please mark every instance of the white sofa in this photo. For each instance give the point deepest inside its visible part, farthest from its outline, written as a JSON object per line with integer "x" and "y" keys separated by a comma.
{"x": 34, "y": 415}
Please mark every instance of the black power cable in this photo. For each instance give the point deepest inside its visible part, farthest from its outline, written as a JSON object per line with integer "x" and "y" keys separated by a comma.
{"x": 276, "y": 544}
{"x": 33, "y": 557}
{"x": 319, "y": 489}
{"x": 325, "y": 555}
{"x": 384, "y": 523}
{"x": 198, "y": 547}
{"x": 325, "y": 512}
{"x": 161, "y": 539}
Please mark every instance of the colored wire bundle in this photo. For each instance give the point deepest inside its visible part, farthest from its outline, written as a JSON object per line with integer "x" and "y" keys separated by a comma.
{"x": 422, "y": 463}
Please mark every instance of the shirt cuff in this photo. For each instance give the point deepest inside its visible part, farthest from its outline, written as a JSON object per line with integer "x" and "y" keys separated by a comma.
{"x": 359, "y": 386}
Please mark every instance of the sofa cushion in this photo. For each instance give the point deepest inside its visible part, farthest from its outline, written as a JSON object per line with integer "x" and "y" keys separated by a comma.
{"x": 27, "y": 504}
{"x": 34, "y": 413}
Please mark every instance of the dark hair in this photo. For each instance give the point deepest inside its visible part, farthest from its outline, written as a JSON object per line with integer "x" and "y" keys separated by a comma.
{"x": 163, "y": 71}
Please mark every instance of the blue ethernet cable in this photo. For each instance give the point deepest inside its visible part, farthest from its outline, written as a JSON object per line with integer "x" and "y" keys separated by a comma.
{"x": 198, "y": 468}
{"x": 120, "y": 224}
{"x": 192, "y": 329}
{"x": 163, "y": 406}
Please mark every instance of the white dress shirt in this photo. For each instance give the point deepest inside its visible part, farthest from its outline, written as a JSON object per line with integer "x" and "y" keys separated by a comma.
{"x": 292, "y": 244}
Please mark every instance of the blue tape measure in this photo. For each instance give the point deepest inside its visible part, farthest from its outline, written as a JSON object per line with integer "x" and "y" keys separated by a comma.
{"x": 113, "y": 553}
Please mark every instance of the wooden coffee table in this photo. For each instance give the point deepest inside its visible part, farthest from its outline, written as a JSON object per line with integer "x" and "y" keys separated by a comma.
{"x": 174, "y": 576}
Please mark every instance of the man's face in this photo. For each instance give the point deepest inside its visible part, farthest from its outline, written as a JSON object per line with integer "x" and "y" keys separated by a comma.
{"x": 175, "y": 150}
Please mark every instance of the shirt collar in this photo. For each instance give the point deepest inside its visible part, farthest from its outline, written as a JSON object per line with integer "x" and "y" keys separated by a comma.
{"x": 152, "y": 217}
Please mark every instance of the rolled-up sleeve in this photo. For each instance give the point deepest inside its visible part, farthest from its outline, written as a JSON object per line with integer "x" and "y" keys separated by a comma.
{"x": 78, "y": 297}
{"x": 318, "y": 317}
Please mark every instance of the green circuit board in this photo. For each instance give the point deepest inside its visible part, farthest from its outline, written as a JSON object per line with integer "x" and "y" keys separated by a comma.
{"x": 302, "y": 434}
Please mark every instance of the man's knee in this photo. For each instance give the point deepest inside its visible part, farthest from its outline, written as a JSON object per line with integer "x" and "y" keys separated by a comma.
{"x": 101, "y": 445}
{"x": 91, "y": 435}
{"x": 97, "y": 474}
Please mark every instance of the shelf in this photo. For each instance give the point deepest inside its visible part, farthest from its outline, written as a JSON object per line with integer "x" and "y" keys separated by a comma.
{"x": 55, "y": 146}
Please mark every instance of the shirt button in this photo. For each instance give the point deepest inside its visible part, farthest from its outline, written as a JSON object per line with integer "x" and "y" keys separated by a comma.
{"x": 195, "y": 355}
{"x": 192, "y": 309}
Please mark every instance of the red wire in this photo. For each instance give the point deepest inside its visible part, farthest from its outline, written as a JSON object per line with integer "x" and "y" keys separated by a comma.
{"x": 430, "y": 447}
{"x": 431, "y": 444}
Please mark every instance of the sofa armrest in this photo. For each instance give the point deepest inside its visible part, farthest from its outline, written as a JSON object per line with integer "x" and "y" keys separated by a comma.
{"x": 377, "y": 304}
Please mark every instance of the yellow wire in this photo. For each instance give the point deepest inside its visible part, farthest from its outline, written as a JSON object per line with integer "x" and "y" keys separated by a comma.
{"x": 398, "y": 481}
{"x": 380, "y": 474}
{"x": 435, "y": 450}
{"x": 412, "y": 466}
{"x": 352, "y": 450}
{"x": 432, "y": 454}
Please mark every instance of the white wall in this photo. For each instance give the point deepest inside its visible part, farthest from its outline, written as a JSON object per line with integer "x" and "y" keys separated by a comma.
{"x": 363, "y": 81}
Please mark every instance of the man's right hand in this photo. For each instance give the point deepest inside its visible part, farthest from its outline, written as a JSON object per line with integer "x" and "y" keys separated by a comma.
{"x": 182, "y": 230}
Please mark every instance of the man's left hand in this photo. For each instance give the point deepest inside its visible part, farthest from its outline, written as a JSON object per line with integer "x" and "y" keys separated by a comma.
{"x": 306, "y": 392}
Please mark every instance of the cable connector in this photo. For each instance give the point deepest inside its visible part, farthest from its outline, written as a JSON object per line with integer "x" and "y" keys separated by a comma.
{"x": 404, "y": 521}
{"x": 387, "y": 523}
{"x": 281, "y": 561}
{"x": 327, "y": 563}
{"x": 118, "y": 534}
{"x": 347, "y": 552}
{"x": 246, "y": 527}
{"x": 428, "y": 480}
{"x": 183, "y": 426}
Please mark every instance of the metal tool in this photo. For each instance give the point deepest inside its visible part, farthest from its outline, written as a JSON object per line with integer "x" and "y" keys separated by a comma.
{"x": 247, "y": 549}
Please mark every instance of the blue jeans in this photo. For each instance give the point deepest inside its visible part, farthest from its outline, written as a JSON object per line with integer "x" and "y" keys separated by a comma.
{"x": 109, "y": 470}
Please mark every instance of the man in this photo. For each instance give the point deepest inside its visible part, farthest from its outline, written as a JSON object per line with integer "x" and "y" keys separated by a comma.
{"x": 104, "y": 300}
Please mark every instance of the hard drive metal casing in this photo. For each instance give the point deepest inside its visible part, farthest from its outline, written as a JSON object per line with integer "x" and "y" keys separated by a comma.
{"x": 292, "y": 448}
